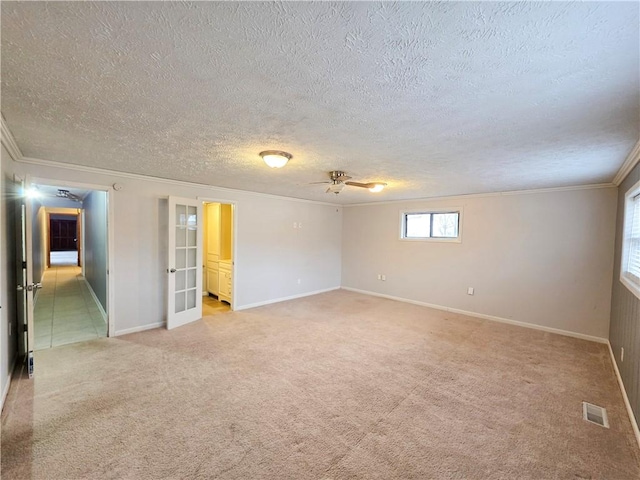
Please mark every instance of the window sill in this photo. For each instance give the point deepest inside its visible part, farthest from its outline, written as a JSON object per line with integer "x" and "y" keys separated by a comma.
{"x": 432, "y": 239}
{"x": 632, "y": 286}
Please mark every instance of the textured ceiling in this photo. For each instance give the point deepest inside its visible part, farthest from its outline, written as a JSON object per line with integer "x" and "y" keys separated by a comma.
{"x": 433, "y": 98}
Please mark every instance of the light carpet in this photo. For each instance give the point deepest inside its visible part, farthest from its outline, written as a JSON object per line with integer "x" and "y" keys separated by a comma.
{"x": 335, "y": 386}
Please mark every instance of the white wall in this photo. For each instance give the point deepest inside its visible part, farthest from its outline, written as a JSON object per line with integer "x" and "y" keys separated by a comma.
{"x": 271, "y": 255}
{"x": 95, "y": 244}
{"x": 541, "y": 258}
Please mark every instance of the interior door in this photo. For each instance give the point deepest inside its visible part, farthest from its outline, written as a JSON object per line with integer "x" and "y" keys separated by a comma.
{"x": 63, "y": 234}
{"x": 184, "y": 302}
{"x": 24, "y": 276}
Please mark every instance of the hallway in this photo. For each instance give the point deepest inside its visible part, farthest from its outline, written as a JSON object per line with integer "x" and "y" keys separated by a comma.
{"x": 65, "y": 311}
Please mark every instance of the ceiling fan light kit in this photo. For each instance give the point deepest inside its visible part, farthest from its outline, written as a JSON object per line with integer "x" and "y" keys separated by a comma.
{"x": 275, "y": 158}
{"x": 335, "y": 188}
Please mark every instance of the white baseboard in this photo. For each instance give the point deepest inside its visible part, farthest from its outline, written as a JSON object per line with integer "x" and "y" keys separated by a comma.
{"x": 141, "y": 328}
{"x": 284, "y": 299}
{"x": 493, "y": 318}
{"x": 5, "y": 390}
{"x": 634, "y": 423}
{"x": 95, "y": 299}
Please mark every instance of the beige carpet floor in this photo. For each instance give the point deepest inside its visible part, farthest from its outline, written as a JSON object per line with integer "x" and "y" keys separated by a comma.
{"x": 334, "y": 386}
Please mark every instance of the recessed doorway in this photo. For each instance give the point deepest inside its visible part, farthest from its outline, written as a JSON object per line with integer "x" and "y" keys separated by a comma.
{"x": 64, "y": 236}
{"x": 218, "y": 258}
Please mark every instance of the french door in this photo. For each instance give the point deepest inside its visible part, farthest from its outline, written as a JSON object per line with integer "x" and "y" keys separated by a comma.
{"x": 184, "y": 293}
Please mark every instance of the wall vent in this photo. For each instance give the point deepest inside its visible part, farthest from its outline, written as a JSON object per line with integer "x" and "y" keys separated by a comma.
{"x": 595, "y": 414}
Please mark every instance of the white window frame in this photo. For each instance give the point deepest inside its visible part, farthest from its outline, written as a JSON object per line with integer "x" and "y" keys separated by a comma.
{"x": 457, "y": 239}
{"x": 629, "y": 280}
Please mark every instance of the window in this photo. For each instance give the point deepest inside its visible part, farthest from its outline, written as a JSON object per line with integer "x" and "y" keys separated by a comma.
{"x": 630, "y": 268}
{"x": 440, "y": 225}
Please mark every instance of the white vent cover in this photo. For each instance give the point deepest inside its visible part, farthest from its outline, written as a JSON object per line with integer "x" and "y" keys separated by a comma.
{"x": 595, "y": 414}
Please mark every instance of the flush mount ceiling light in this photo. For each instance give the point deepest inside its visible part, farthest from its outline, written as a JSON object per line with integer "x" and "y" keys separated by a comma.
{"x": 275, "y": 158}
{"x": 33, "y": 192}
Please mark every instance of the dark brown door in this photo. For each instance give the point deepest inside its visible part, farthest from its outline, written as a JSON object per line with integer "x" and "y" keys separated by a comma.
{"x": 62, "y": 235}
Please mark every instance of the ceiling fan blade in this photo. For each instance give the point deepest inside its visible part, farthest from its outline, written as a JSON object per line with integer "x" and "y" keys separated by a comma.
{"x": 358, "y": 184}
{"x": 318, "y": 183}
{"x": 371, "y": 186}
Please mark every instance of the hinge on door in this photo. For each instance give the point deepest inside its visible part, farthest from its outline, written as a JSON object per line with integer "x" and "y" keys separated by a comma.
{"x": 24, "y": 264}
{"x": 25, "y": 327}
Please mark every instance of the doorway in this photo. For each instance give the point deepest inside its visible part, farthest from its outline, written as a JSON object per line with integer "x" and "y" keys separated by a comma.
{"x": 69, "y": 225}
{"x": 218, "y": 258}
{"x": 64, "y": 237}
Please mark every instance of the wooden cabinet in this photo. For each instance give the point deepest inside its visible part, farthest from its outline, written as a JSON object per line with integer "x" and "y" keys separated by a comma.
{"x": 212, "y": 278}
{"x": 224, "y": 281}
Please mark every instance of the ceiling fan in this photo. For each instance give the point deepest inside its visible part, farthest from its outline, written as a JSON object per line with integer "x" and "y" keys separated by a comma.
{"x": 35, "y": 191}
{"x": 62, "y": 193}
{"x": 339, "y": 179}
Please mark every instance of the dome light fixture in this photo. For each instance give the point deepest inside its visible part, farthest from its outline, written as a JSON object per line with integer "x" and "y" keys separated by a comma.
{"x": 275, "y": 158}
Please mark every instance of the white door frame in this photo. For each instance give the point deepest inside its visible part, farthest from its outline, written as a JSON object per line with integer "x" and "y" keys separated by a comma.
{"x": 234, "y": 231}
{"x": 26, "y": 285}
{"x": 110, "y": 238}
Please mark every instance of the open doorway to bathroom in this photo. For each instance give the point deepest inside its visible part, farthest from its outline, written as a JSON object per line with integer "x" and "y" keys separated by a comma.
{"x": 70, "y": 251}
{"x": 218, "y": 257}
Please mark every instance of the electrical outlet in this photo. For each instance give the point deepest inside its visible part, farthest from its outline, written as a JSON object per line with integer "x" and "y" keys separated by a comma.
{"x": 379, "y": 276}
{"x": 470, "y": 291}
{"x": 299, "y": 281}
{"x": 621, "y": 354}
{"x": 295, "y": 224}
{"x": 384, "y": 278}
{"x": 299, "y": 224}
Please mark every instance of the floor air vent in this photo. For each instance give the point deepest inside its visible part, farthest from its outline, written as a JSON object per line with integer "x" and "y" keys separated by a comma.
{"x": 595, "y": 414}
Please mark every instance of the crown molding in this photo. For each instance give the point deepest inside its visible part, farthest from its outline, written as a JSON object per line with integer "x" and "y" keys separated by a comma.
{"x": 137, "y": 176}
{"x": 9, "y": 141}
{"x": 631, "y": 161}
{"x": 491, "y": 194}
{"x": 168, "y": 181}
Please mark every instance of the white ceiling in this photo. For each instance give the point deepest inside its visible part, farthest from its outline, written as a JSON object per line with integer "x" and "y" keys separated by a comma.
{"x": 433, "y": 98}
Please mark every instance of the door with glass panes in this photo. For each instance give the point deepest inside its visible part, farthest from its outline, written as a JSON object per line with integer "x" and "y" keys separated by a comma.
{"x": 184, "y": 271}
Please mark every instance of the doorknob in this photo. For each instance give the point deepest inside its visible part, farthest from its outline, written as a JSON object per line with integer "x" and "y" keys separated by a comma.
{"x": 20, "y": 288}
{"x": 173, "y": 270}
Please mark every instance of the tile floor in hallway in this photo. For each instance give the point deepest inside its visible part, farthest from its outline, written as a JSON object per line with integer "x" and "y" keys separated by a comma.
{"x": 65, "y": 311}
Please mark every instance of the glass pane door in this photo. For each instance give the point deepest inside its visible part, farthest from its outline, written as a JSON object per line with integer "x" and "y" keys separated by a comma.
{"x": 185, "y": 269}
